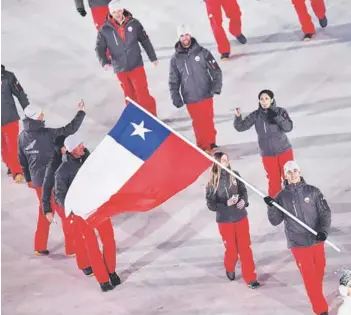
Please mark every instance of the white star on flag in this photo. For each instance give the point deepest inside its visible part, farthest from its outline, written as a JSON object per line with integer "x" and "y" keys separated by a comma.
{"x": 139, "y": 130}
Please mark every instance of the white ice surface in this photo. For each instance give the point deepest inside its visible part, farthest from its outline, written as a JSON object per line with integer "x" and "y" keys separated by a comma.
{"x": 170, "y": 259}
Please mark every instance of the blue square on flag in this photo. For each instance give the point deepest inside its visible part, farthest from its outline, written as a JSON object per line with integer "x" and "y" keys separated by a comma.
{"x": 138, "y": 132}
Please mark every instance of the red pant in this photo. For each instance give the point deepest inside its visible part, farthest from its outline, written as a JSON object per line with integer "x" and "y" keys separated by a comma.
{"x": 134, "y": 84}
{"x": 9, "y": 147}
{"x": 202, "y": 116}
{"x": 102, "y": 264}
{"x": 99, "y": 16}
{"x": 67, "y": 231}
{"x": 236, "y": 239}
{"x": 233, "y": 13}
{"x": 318, "y": 7}
{"x": 274, "y": 166}
{"x": 43, "y": 225}
{"x": 311, "y": 263}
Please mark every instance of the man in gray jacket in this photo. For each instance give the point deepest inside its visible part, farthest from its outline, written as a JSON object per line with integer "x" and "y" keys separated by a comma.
{"x": 121, "y": 35}
{"x": 86, "y": 243}
{"x": 194, "y": 78}
{"x": 308, "y": 204}
{"x": 9, "y": 122}
{"x": 36, "y": 148}
{"x": 99, "y": 10}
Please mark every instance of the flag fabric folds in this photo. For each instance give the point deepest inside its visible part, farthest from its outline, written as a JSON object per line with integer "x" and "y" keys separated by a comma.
{"x": 137, "y": 166}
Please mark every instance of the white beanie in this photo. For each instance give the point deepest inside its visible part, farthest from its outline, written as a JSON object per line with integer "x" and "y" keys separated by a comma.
{"x": 72, "y": 142}
{"x": 183, "y": 30}
{"x": 33, "y": 112}
{"x": 115, "y": 5}
{"x": 290, "y": 166}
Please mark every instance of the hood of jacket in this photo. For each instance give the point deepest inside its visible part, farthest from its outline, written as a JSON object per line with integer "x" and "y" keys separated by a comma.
{"x": 182, "y": 50}
{"x": 33, "y": 125}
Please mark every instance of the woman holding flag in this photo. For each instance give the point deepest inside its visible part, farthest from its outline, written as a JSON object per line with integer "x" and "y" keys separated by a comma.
{"x": 228, "y": 198}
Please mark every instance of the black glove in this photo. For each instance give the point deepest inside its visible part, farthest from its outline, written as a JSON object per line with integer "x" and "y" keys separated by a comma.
{"x": 217, "y": 93}
{"x": 82, "y": 12}
{"x": 321, "y": 236}
{"x": 179, "y": 105}
{"x": 269, "y": 201}
{"x": 271, "y": 114}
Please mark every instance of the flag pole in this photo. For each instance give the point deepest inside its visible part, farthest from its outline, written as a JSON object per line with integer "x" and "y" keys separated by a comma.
{"x": 231, "y": 172}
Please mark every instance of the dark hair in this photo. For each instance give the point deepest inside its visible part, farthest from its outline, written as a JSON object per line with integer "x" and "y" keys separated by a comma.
{"x": 268, "y": 92}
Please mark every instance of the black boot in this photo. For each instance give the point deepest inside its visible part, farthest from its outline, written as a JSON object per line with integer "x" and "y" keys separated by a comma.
{"x": 88, "y": 271}
{"x": 241, "y": 39}
{"x": 225, "y": 56}
{"x": 323, "y": 22}
{"x": 254, "y": 284}
{"x": 9, "y": 173}
{"x": 44, "y": 252}
{"x": 115, "y": 280}
{"x": 324, "y": 313}
{"x": 107, "y": 286}
{"x": 230, "y": 275}
{"x": 308, "y": 36}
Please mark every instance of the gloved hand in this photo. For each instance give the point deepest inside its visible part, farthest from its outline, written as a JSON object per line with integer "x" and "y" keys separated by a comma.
{"x": 269, "y": 201}
{"x": 179, "y": 105}
{"x": 82, "y": 11}
{"x": 271, "y": 114}
{"x": 321, "y": 236}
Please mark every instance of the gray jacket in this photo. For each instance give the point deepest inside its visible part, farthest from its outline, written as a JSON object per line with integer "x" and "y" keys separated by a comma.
{"x": 194, "y": 75}
{"x": 36, "y": 146}
{"x": 49, "y": 180}
{"x": 11, "y": 87}
{"x": 272, "y": 138}
{"x": 92, "y": 3}
{"x": 217, "y": 200}
{"x": 307, "y": 203}
{"x": 65, "y": 175}
{"x": 125, "y": 53}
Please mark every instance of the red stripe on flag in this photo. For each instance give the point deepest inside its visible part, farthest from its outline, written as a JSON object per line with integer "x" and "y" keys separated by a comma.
{"x": 173, "y": 167}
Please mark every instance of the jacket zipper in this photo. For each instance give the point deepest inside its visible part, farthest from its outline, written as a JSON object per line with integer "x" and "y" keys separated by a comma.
{"x": 114, "y": 36}
{"x": 186, "y": 68}
{"x": 264, "y": 126}
{"x": 295, "y": 209}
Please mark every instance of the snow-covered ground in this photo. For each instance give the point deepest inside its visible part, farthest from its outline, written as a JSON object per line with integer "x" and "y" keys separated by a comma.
{"x": 170, "y": 259}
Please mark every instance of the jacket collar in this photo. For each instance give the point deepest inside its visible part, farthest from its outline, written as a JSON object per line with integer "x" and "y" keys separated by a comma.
{"x": 273, "y": 106}
{"x": 69, "y": 157}
{"x": 297, "y": 186}
{"x": 33, "y": 125}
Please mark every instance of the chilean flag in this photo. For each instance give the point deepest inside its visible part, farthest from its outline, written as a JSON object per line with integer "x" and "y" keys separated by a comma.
{"x": 139, "y": 165}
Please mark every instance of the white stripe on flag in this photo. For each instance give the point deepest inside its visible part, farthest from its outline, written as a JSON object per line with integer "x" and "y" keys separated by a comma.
{"x": 106, "y": 170}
